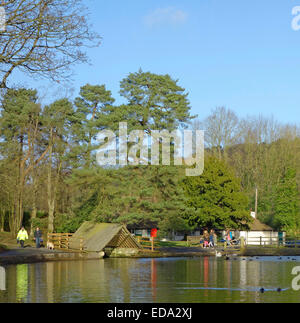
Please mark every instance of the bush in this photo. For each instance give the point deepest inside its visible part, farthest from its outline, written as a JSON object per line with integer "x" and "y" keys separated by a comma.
{"x": 64, "y": 223}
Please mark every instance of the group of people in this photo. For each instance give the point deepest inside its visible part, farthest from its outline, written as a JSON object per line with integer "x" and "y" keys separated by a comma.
{"x": 230, "y": 239}
{"x": 23, "y": 236}
{"x": 210, "y": 239}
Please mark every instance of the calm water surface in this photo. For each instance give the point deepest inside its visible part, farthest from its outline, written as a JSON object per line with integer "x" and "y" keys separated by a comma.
{"x": 183, "y": 280}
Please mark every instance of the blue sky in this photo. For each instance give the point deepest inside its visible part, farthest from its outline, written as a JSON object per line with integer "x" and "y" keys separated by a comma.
{"x": 240, "y": 54}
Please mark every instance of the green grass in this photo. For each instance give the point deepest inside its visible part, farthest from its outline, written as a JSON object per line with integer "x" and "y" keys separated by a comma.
{"x": 6, "y": 237}
{"x": 168, "y": 244}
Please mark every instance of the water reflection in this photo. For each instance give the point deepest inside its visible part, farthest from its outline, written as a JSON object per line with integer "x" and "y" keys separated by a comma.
{"x": 150, "y": 280}
{"x": 153, "y": 279}
{"x": 22, "y": 283}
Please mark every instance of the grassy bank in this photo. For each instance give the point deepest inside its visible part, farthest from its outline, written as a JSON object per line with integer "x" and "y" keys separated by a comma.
{"x": 7, "y": 239}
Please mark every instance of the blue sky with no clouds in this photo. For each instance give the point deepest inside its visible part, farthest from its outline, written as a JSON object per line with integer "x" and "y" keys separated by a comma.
{"x": 240, "y": 54}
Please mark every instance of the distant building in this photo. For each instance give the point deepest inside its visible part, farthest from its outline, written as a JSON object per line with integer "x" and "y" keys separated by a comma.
{"x": 175, "y": 236}
{"x": 261, "y": 234}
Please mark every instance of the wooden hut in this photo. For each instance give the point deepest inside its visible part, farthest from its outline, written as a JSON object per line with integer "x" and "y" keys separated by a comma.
{"x": 261, "y": 234}
{"x": 97, "y": 237}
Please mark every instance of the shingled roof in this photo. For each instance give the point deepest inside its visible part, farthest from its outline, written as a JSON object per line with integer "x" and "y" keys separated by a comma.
{"x": 97, "y": 236}
{"x": 259, "y": 226}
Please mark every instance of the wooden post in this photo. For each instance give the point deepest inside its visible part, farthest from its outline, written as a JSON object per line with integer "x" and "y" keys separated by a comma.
{"x": 152, "y": 244}
{"x": 256, "y": 202}
{"x": 242, "y": 243}
{"x": 260, "y": 240}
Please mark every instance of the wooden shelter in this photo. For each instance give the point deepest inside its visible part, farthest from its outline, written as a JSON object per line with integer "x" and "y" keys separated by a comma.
{"x": 260, "y": 234}
{"x": 99, "y": 236}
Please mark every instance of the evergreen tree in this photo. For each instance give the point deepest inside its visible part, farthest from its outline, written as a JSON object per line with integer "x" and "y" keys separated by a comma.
{"x": 20, "y": 132}
{"x": 137, "y": 196}
{"x": 216, "y": 197}
{"x": 58, "y": 121}
{"x": 89, "y": 105}
{"x": 287, "y": 203}
{"x": 154, "y": 102}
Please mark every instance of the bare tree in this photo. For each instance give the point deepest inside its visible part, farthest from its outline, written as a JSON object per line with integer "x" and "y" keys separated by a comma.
{"x": 260, "y": 130}
{"x": 44, "y": 38}
{"x": 221, "y": 129}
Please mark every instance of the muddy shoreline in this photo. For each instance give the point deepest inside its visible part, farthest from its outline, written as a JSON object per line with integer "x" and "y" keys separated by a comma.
{"x": 31, "y": 255}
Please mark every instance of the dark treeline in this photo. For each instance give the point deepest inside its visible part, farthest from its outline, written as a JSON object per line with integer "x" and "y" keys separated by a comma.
{"x": 50, "y": 177}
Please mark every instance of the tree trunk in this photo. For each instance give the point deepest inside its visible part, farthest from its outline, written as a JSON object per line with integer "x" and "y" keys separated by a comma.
{"x": 2, "y": 219}
{"x": 33, "y": 217}
{"x": 34, "y": 202}
{"x": 49, "y": 190}
{"x": 51, "y": 216}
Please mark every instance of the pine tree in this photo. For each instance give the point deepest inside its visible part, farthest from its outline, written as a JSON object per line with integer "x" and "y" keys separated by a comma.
{"x": 58, "y": 121}
{"x": 154, "y": 102}
{"x": 20, "y": 131}
{"x": 89, "y": 105}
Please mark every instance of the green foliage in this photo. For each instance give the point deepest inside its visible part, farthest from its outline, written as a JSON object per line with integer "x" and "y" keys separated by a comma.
{"x": 216, "y": 197}
{"x": 41, "y": 223}
{"x": 48, "y": 163}
{"x": 171, "y": 223}
{"x": 89, "y": 105}
{"x": 154, "y": 102}
{"x": 137, "y": 196}
{"x": 287, "y": 203}
{"x": 66, "y": 223}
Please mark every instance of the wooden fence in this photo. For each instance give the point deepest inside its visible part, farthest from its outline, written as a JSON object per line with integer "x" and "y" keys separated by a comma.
{"x": 250, "y": 241}
{"x": 62, "y": 240}
{"x": 147, "y": 243}
{"x": 273, "y": 242}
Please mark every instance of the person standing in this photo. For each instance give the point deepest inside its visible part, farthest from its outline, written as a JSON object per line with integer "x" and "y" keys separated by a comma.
{"x": 38, "y": 237}
{"x": 211, "y": 239}
{"x": 229, "y": 238}
{"x": 22, "y": 236}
